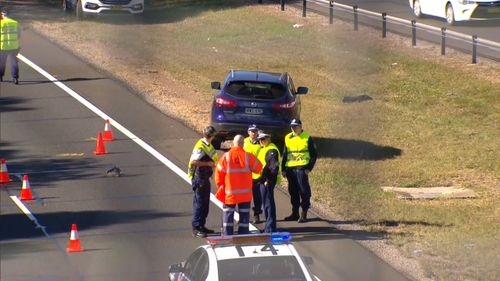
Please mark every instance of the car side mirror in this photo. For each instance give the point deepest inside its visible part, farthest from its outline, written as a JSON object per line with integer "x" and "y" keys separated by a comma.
{"x": 175, "y": 270}
{"x": 215, "y": 85}
{"x": 307, "y": 260}
{"x": 302, "y": 90}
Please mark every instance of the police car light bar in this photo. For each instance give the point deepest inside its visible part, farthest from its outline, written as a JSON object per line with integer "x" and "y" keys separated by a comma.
{"x": 273, "y": 238}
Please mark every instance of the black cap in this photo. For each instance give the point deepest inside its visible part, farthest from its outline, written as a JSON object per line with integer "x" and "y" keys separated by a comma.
{"x": 253, "y": 127}
{"x": 296, "y": 122}
{"x": 209, "y": 131}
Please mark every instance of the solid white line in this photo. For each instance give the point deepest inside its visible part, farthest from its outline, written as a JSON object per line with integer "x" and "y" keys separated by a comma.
{"x": 121, "y": 128}
{"x": 24, "y": 209}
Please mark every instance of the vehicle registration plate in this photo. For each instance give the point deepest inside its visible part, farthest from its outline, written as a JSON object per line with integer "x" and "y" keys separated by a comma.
{"x": 254, "y": 111}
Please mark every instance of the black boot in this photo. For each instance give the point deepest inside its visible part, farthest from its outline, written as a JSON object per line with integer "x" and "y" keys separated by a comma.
{"x": 303, "y": 217}
{"x": 293, "y": 217}
{"x": 256, "y": 219}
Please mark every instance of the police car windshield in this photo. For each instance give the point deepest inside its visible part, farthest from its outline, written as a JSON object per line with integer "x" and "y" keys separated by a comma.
{"x": 255, "y": 90}
{"x": 275, "y": 268}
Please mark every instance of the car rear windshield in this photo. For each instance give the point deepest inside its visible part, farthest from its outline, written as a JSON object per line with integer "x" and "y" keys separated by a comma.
{"x": 274, "y": 268}
{"x": 255, "y": 90}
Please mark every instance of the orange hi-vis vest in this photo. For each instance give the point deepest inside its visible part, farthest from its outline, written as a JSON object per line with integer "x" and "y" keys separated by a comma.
{"x": 234, "y": 174}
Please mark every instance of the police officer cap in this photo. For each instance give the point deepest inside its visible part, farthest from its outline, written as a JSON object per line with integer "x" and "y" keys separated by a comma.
{"x": 263, "y": 135}
{"x": 296, "y": 122}
{"x": 209, "y": 131}
{"x": 253, "y": 128}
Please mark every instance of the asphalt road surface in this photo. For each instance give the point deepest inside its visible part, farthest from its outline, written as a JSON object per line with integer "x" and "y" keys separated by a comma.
{"x": 131, "y": 227}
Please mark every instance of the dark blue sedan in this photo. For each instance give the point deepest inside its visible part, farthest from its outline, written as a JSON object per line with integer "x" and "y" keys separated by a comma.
{"x": 269, "y": 100}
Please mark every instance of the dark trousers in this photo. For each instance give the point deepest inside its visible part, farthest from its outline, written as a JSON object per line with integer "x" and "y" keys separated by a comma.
{"x": 257, "y": 198}
{"x": 12, "y": 57}
{"x": 298, "y": 188}
{"x": 201, "y": 201}
{"x": 269, "y": 207}
{"x": 243, "y": 224}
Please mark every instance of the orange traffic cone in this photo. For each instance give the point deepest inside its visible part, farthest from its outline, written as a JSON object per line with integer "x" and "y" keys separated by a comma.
{"x": 108, "y": 133}
{"x": 26, "y": 190}
{"x": 4, "y": 174}
{"x": 74, "y": 241}
{"x": 99, "y": 148}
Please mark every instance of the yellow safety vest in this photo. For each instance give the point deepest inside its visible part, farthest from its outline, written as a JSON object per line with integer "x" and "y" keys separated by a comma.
{"x": 254, "y": 149}
{"x": 9, "y": 35}
{"x": 208, "y": 149}
{"x": 297, "y": 150}
{"x": 262, "y": 158}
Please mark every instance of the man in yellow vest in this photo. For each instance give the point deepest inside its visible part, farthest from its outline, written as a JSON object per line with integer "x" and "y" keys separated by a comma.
{"x": 269, "y": 156}
{"x": 9, "y": 46}
{"x": 299, "y": 157}
{"x": 200, "y": 169}
{"x": 252, "y": 146}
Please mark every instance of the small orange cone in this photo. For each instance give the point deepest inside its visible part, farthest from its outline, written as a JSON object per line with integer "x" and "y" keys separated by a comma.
{"x": 99, "y": 148}
{"x": 108, "y": 133}
{"x": 74, "y": 241}
{"x": 4, "y": 174}
{"x": 26, "y": 190}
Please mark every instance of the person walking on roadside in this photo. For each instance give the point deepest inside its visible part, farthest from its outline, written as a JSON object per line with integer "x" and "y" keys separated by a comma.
{"x": 9, "y": 46}
{"x": 200, "y": 169}
{"x": 234, "y": 176}
{"x": 269, "y": 156}
{"x": 299, "y": 157}
{"x": 252, "y": 146}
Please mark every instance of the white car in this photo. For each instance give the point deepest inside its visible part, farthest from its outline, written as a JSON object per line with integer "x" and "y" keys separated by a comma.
{"x": 262, "y": 257}
{"x": 95, "y": 7}
{"x": 457, "y": 10}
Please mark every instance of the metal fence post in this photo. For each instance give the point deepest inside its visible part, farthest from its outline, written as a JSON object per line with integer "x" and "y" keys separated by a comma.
{"x": 474, "y": 49}
{"x": 414, "y": 33}
{"x": 355, "y": 10}
{"x": 384, "y": 25}
{"x": 282, "y": 2}
{"x": 331, "y": 11}
{"x": 304, "y": 8}
{"x": 443, "y": 41}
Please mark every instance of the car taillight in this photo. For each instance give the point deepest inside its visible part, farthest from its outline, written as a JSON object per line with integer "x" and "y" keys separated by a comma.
{"x": 220, "y": 102}
{"x": 284, "y": 106}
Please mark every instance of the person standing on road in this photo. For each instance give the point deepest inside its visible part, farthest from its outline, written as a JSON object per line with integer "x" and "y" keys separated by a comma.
{"x": 200, "y": 169}
{"x": 9, "y": 46}
{"x": 269, "y": 156}
{"x": 299, "y": 157}
{"x": 252, "y": 146}
{"x": 234, "y": 176}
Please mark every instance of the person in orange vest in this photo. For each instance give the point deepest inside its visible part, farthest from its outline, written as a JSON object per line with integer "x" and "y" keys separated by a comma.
{"x": 233, "y": 177}
{"x": 9, "y": 46}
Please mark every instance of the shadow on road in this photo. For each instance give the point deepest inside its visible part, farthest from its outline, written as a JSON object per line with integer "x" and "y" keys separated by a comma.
{"x": 30, "y": 82}
{"x": 354, "y": 149}
{"x": 18, "y": 226}
{"x": 13, "y": 104}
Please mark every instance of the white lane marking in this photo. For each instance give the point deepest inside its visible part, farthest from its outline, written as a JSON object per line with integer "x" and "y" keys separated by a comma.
{"x": 25, "y": 210}
{"x": 121, "y": 128}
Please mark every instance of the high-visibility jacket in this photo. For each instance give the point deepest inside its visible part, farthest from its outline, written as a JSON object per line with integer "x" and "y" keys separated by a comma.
{"x": 254, "y": 149}
{"x": 234, "y": 175}
{"x": 297, "y": 149}
{"x": 262, "y": 158}
{"x": 208, "y": 149}
{"x": 9, "y": 35}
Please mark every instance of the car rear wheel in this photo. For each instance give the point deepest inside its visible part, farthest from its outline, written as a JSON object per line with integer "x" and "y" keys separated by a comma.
{"x": 417, "y": 10}
{"x": 450, "y": 15}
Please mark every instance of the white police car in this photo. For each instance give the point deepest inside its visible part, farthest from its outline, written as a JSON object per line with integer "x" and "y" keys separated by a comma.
{"x": 262, "y": 257}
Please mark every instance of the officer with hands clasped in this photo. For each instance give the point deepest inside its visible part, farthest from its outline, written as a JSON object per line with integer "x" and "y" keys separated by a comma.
{"x": 269, "y": 156}
{"x": 200, "y": 169}
{"x": 299, "y": 157}
{"x": 252, "y": 146}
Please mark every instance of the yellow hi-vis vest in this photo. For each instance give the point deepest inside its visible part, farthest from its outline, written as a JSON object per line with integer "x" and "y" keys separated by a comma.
{"x": 262, "y": 158}
{"x": 9, "y": 35}
{"x": 208, "y": 149}
{"x": 254, "y": 149}
{"x": 297, "y": 150}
